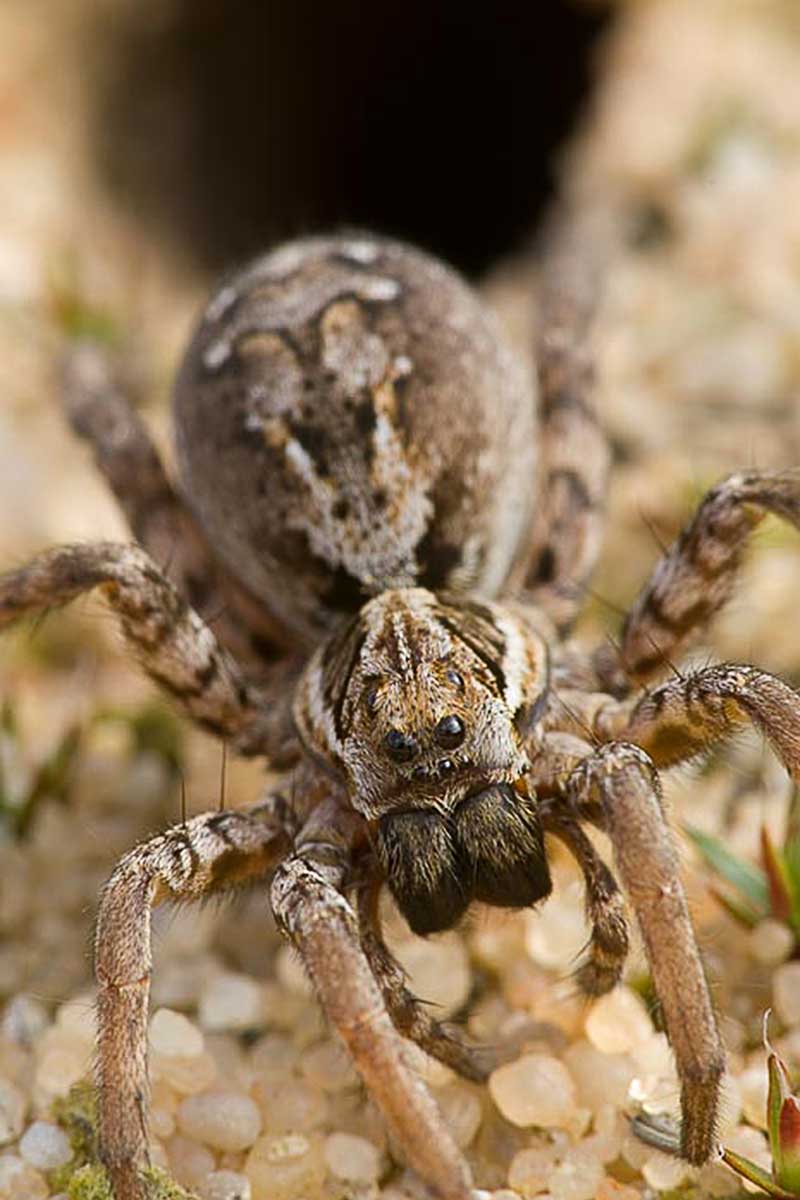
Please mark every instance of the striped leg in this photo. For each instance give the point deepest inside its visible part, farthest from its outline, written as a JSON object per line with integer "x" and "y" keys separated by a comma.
{"x": 173, "y": 644}
{"x": 207, "y": 855}
{"x": 684, "y": 717}
{"x": 101, "y": 413}
{"x": 696, "y": 575}
{"x": 574, "y": 452}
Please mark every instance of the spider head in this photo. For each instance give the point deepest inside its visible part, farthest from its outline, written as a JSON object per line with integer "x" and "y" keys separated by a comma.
{"x": 422, "y": 703}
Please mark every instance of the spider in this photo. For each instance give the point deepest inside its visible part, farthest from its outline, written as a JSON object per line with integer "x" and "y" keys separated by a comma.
{"x": 368, "y": 575}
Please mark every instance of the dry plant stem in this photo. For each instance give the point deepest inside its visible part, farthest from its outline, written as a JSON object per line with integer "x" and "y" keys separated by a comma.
{"x": 311, "y": 910}
{"x": 207, "y": 854}
{"x": 695, "y": 577}
{"x": 617, "y": 787}
{"x": 174, "y": 645}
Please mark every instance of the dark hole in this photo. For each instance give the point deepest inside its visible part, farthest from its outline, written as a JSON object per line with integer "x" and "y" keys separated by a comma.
{"x": 232, "y": 123}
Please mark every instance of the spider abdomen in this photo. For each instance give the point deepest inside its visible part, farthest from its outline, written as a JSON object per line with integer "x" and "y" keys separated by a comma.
{"x": 349, "y": 419}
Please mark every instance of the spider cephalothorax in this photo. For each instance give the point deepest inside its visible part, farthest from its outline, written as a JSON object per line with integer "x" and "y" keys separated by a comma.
{"x": 392, "y": 584}
{"x": 422, "y": 705}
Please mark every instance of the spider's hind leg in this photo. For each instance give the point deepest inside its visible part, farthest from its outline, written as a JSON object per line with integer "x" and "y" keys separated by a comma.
{"x": 573, "y": 449}
{"x": 695, "y": 576}
{"x": 208, "y": 854}
{"x": 100, "y": 412}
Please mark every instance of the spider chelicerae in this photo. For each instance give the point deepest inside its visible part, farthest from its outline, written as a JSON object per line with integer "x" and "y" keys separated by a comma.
{"x": 367, "y": 575}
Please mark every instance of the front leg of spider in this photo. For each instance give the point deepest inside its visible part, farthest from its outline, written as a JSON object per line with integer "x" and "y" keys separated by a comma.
{"x": 311, "y": 910}
{"x": 617, "y": 789}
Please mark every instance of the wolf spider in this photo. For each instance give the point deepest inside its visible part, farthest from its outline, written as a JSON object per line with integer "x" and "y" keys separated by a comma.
{"x": 392, "y": 584}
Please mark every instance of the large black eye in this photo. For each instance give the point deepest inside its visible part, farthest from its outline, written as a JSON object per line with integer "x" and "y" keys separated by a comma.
{"x": 450, "y": 732}
{"x": 401, "y": 747}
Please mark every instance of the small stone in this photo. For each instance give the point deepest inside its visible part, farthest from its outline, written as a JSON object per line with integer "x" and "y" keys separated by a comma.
{"x": 328, "y": 1066}
{"x": 786, "y": 993}
{"x": 173, "y": 1035}
{"x": 530, "y": 1170}
{"x": 462, "y": 1112}
{"x": 618, "y": 1022}
{"x": 24, "y": 1019}
{"x": 290, "y": 1105}
{"x": 664, "y": 1172}
{"x": 186, "y": 1075}
{"x": 771, "y": 942}
{"x": 227, "y": 1185}
{"x": 13, "y": 1107}
{"x": 600, "y": 1078}
{"x": 274, "y": 1056}
{"x": 231, "y": 1002}
{"x": 438, "y": 971}
{"x": 60, "y": 1067}
{"x": 535, "y": 1090}
{"x": 45, "y": 1146}
{"x": 577, "y": 1177}
{"x": 189, "y": 1162}
{"x": 285, "y": 1168}
{"x": 20, "y": 1181}
{"x": 352, "y": 1158}
{"x": 223, "y": 1120}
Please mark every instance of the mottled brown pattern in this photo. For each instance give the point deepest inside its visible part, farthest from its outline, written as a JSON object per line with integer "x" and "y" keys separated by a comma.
{"x": 358, "y": 457}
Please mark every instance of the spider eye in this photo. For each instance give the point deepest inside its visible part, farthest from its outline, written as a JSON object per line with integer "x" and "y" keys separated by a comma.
{"x": 401, "y": 747}
{"x": 450, "y": 732}
{"x": 455, "y": 677}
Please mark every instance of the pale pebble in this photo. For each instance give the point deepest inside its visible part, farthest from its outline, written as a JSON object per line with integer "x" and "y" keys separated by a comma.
{"x": 352, "y": 1158}
{"x": 220, "y": 1119}
{"x": 771, "y": 942}
{"x": 189, "y": 1161}
{"x": 530, "y": 1170}
{"x": 227, "y": 1185}
{"x": 462, "y": 1112}
{"x": 174, "y": 1035}
{"x": 618, "y": 1022}
{"x": 536, "y": 1089}
{"x": 231, "y": 1001}
{"x": 13, "y": 1107}
{"x": 665, "y": 1172}
{"x": 285, "y": 1168}
{"x": 45, "y": 1146}
{"x": 438, "y": 971}
{"x": 576, "y": 1177}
